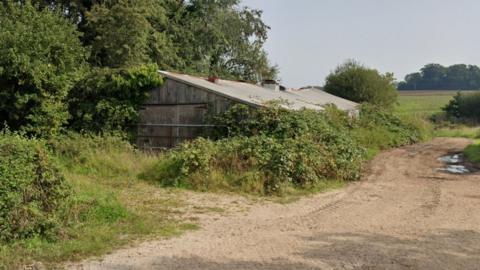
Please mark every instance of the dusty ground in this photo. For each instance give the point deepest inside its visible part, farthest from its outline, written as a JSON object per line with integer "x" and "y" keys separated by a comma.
{"x": 403, "y": 215}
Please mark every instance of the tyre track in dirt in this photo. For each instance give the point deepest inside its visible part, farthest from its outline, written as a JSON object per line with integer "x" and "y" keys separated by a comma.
{"x": 404, "y": 214}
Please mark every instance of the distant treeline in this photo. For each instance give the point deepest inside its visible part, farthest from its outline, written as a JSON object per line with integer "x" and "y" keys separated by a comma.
{"x": 438, "y": 77}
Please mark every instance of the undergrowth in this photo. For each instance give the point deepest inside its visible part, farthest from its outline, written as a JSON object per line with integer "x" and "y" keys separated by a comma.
{"x": 108, "y": 206}
{"x": 33, "y": 193}
{"x": 274, "y": 151}
{"x": 113, "y": 190}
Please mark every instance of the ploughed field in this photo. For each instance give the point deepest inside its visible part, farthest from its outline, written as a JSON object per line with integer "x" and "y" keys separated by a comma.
{"x": 406, "y": 213}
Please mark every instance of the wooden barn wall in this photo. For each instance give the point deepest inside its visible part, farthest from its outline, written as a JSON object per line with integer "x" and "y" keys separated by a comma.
{"x": 176, "y": 112}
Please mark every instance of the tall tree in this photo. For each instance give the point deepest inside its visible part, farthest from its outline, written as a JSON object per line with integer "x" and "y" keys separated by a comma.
{"x": 44, "y": 45}
{"x": 41, "y": 58}
{"x": 208, "y": 37}
{"x": 356, "y": 82}
{"x": 433, "y": 75}
{"x": 74, "y": 9}
{"x": 128, "y": 33}
{"x": 219, "y": 37}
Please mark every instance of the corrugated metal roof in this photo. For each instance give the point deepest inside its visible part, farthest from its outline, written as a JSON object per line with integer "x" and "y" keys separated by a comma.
{"x": 258, "y": 96}
{"x": 323, "y": 98}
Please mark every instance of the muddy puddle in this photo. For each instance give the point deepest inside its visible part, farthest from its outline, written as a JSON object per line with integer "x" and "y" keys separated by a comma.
{"x": 455, "y": 164}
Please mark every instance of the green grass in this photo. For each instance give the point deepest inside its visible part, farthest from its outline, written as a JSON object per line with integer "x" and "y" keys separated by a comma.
{"x": 472, "y": 152}
{"x": 422, "y": 105}
{"x": 111, "y": 206}
{"x": 458, "y": 131}
{"x": 428, "y": 103}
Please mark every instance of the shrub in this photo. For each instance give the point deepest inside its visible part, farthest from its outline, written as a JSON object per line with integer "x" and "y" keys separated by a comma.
{"x": 32, "y": 190}
{"x": 265, "y": 151}
{"x": 257, "y": 164}
{"x": 109, "y": 99}
{"x": 41, "y": 57}
{"x": 271, "y": 150}
{"x": 387, "y": 130}
{"x": 330, "y": 127}
{"x": 281, "y": 123}
{"x": 464, "y": 107}
{"x": 361, "y": 84}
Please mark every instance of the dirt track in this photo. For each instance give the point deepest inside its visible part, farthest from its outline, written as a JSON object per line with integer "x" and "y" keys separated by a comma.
{"x": 403, "y": 215}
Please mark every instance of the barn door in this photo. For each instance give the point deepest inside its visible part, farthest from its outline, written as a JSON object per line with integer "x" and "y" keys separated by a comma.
{"x": 165, "y": 126}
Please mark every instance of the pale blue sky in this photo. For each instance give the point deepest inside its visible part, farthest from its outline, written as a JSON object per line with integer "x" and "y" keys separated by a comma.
{"x": 309, "y": 38}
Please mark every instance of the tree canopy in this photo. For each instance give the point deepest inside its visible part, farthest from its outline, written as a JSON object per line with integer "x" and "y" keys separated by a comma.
{"x": 438, "y": 77}
{"x": 205, "y": 37}
{"x": 109, "y": 99}
{"x": 74, "y": 62}
{"x": 41, "y": 58}
{"x": 356, "y": 82}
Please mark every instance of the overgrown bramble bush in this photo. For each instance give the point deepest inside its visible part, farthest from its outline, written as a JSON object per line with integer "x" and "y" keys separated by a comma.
{"x": 275, "y": 121}
{"x": 270, "y": 150}
{"x": 257, "y": 164}
{"x": 265, "y": 151}
{"x": 32, "y": 190}
{"x": 382, "y": 129}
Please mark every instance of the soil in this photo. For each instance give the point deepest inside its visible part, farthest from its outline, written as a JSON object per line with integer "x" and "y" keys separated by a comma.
{"x": 404, "y": 214}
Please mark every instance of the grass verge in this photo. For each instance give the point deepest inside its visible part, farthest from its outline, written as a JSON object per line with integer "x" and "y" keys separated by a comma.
{"x": 472, "y": 152}
{"x": 458, "y": 131}
{"x": 111, "y": 207}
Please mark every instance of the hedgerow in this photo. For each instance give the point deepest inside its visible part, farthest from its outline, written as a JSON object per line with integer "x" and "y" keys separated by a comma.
{"x": 271, "y": 150}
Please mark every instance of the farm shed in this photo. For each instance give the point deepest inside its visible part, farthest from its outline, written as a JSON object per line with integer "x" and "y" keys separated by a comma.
{"x": 177, "y": 110}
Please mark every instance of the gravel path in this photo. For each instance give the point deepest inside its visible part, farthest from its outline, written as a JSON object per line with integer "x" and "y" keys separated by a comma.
{"x": 403, "y": 215}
